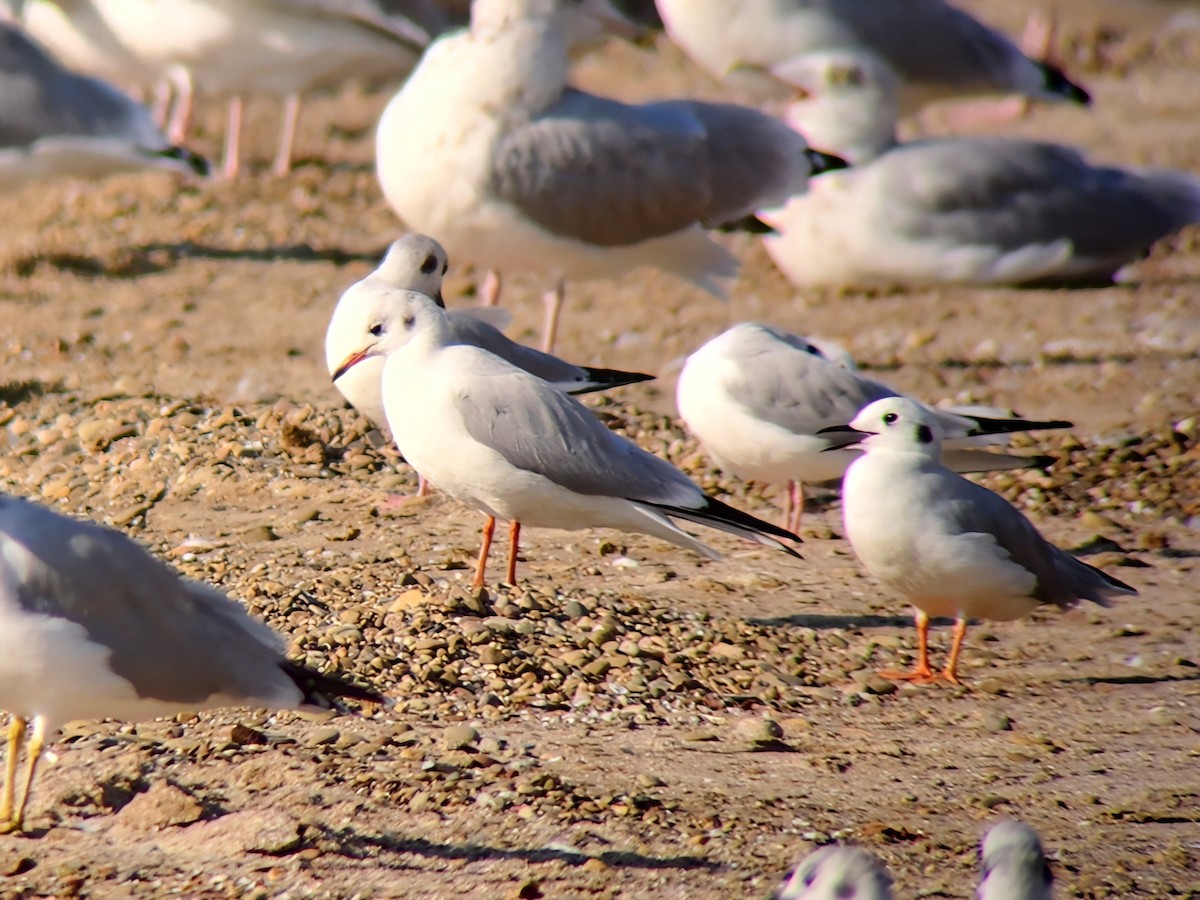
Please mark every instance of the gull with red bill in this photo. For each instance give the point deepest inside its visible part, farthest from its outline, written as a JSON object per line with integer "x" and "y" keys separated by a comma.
{"x": 509, "y": 444}
{"x": 947, "y": 545}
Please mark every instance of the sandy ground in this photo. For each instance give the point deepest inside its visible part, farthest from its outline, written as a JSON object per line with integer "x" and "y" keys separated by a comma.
{"x": 161, "y": 351}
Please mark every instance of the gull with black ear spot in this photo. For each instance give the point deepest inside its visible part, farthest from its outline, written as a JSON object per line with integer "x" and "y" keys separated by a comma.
{"x": 418, "y": 263}
{"x": 514, "y": 447}
{"x": 1014, "y": 864}
{"x": 947, "y": 545}
{"x": 757, "y": 398}
{"x": 837, "y": 872}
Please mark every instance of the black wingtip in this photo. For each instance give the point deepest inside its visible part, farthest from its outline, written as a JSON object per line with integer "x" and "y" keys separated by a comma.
{"x": 319, "y": 689}
{"x": 1059, "y": 84}
{"x": 194, "y": 161}
{"x": 820, "y": 162}
{"x": 984, "y": 425}
{"x": 751, "y": 224}
{"x": 603, "y": 379}
{"x": 714, "y": 511}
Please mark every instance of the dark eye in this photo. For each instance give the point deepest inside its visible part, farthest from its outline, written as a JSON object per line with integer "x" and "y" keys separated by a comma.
{"x": 445, "y": 267}
{"x": 409, "y": 320}
{"x": 376, "y": 329}
{"x": 890, "y": 418}
{"x": 429, "y": 265}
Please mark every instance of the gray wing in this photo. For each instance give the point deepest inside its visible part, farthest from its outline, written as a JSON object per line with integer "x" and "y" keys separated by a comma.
{"x": 468, "y": 329}
{"x": 754, "y": 161}
{"x": 1062, "y": 580}
{"x": 786, "y": 381}
{"x": 1011, "y": 193}
{"x": 930, "y": 42}
{"x": 603, "y": 172}
{"x": 172, "y": 639}
{"x": 414, "y": 25}
{"x": 39, "y": 98}
{"x": 540, "y": 429}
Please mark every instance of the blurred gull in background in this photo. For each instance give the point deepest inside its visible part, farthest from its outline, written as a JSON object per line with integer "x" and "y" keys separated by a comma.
{"x": 54, "y": 122}
{"x": 971, "y": 210}
{"x": 758, "y": 397}
{"x": 488, "y": 148}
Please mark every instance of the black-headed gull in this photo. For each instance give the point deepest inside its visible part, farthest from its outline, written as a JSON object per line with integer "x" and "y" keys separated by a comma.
{"x": 416, "y": 262}
{"x": 956, "y": 210}
{"x": 757, "y": 398}
{"x": 92, "y": 626}
{"x": 54, "y": 122}
{"x": 1014, "y": 864}
{"x": 948, "y": 546}
{"x": 489, "y": 148}
{"x": 937, "y": 50}
{"x": 511, "y": 445}
{"x": 837, "y": 872}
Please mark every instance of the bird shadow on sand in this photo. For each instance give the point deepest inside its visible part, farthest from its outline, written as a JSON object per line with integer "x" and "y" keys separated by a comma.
{"x": 356, "y": 845}
{"x": 823, "y": 621}
{"x": 151, "y": 259}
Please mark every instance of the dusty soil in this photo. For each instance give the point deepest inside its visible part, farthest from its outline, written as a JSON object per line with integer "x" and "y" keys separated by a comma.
{"x": 161, "y": 352}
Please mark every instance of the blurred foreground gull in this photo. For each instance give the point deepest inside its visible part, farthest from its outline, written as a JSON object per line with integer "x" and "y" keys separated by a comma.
{"x": 973, "y": 210}
{"x": 837, "y": 873}
{"x": 54, "y": 122}
{"x": 235, "y": 48}
{"x": 949, "y": 546}
{"x": 937, "y": 50}
{"x": 417, "y": 263}
{"x": 1014, "y": 865}
{"x": 488, "y": 148}
{"x": 92, "y": 627}
{"x": 497, "y": 438}
{"x": 758, "y": 397}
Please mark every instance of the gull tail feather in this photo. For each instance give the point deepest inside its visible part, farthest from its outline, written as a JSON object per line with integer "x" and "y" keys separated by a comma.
{"x": 723, "y": 517}
{"x": 603, "y": 379}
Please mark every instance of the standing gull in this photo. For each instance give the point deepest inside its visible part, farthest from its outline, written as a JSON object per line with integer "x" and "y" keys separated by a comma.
{"x": 972, "y": 210}
{"x": 418, "y": 263}
{"x": 949, "y": 546}
{"x": 937, "y": 50}
{"x": 488, "y": 147}
{"x": 234, "y": 48}
{"x": 837, "y": 872}
{"x": 92, "y": 626}
{"x": 1014, "y": 864}
{"x": 54, "y": 122}
{"x": 758, "y": 397}
{"x": 497, "y": 438}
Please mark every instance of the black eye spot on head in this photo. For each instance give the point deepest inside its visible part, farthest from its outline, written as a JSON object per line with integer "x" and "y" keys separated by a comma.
{"x": 810, "y": 878}
{"x": 445, "y": 267}
{"x": 429, "y": 265}
{"x": 924, "y": 435}
{"x": 376, "y": 329}
{"x": 890, "y": 418}
{"x": 409, "y": 320}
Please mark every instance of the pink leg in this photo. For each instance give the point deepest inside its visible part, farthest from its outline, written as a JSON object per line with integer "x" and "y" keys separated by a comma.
{"x": 287, "y": 135}
{"x": 162, "y": 102}
{"x": 554, "y": 302}
{"x": 422, "y": 486}
{"x": 180, "y": 80}
{"x": 233, "y": 138}
{"x": 491, "y": 288}
{"x": 796, "y": 503}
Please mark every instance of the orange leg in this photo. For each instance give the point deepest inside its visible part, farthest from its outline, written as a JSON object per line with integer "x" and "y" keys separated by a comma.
{"x": 514, "y": 541}
{"x": 489, "y": 528}
{"x": 922, "y": 674}
{"x": 950, "y": 673}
